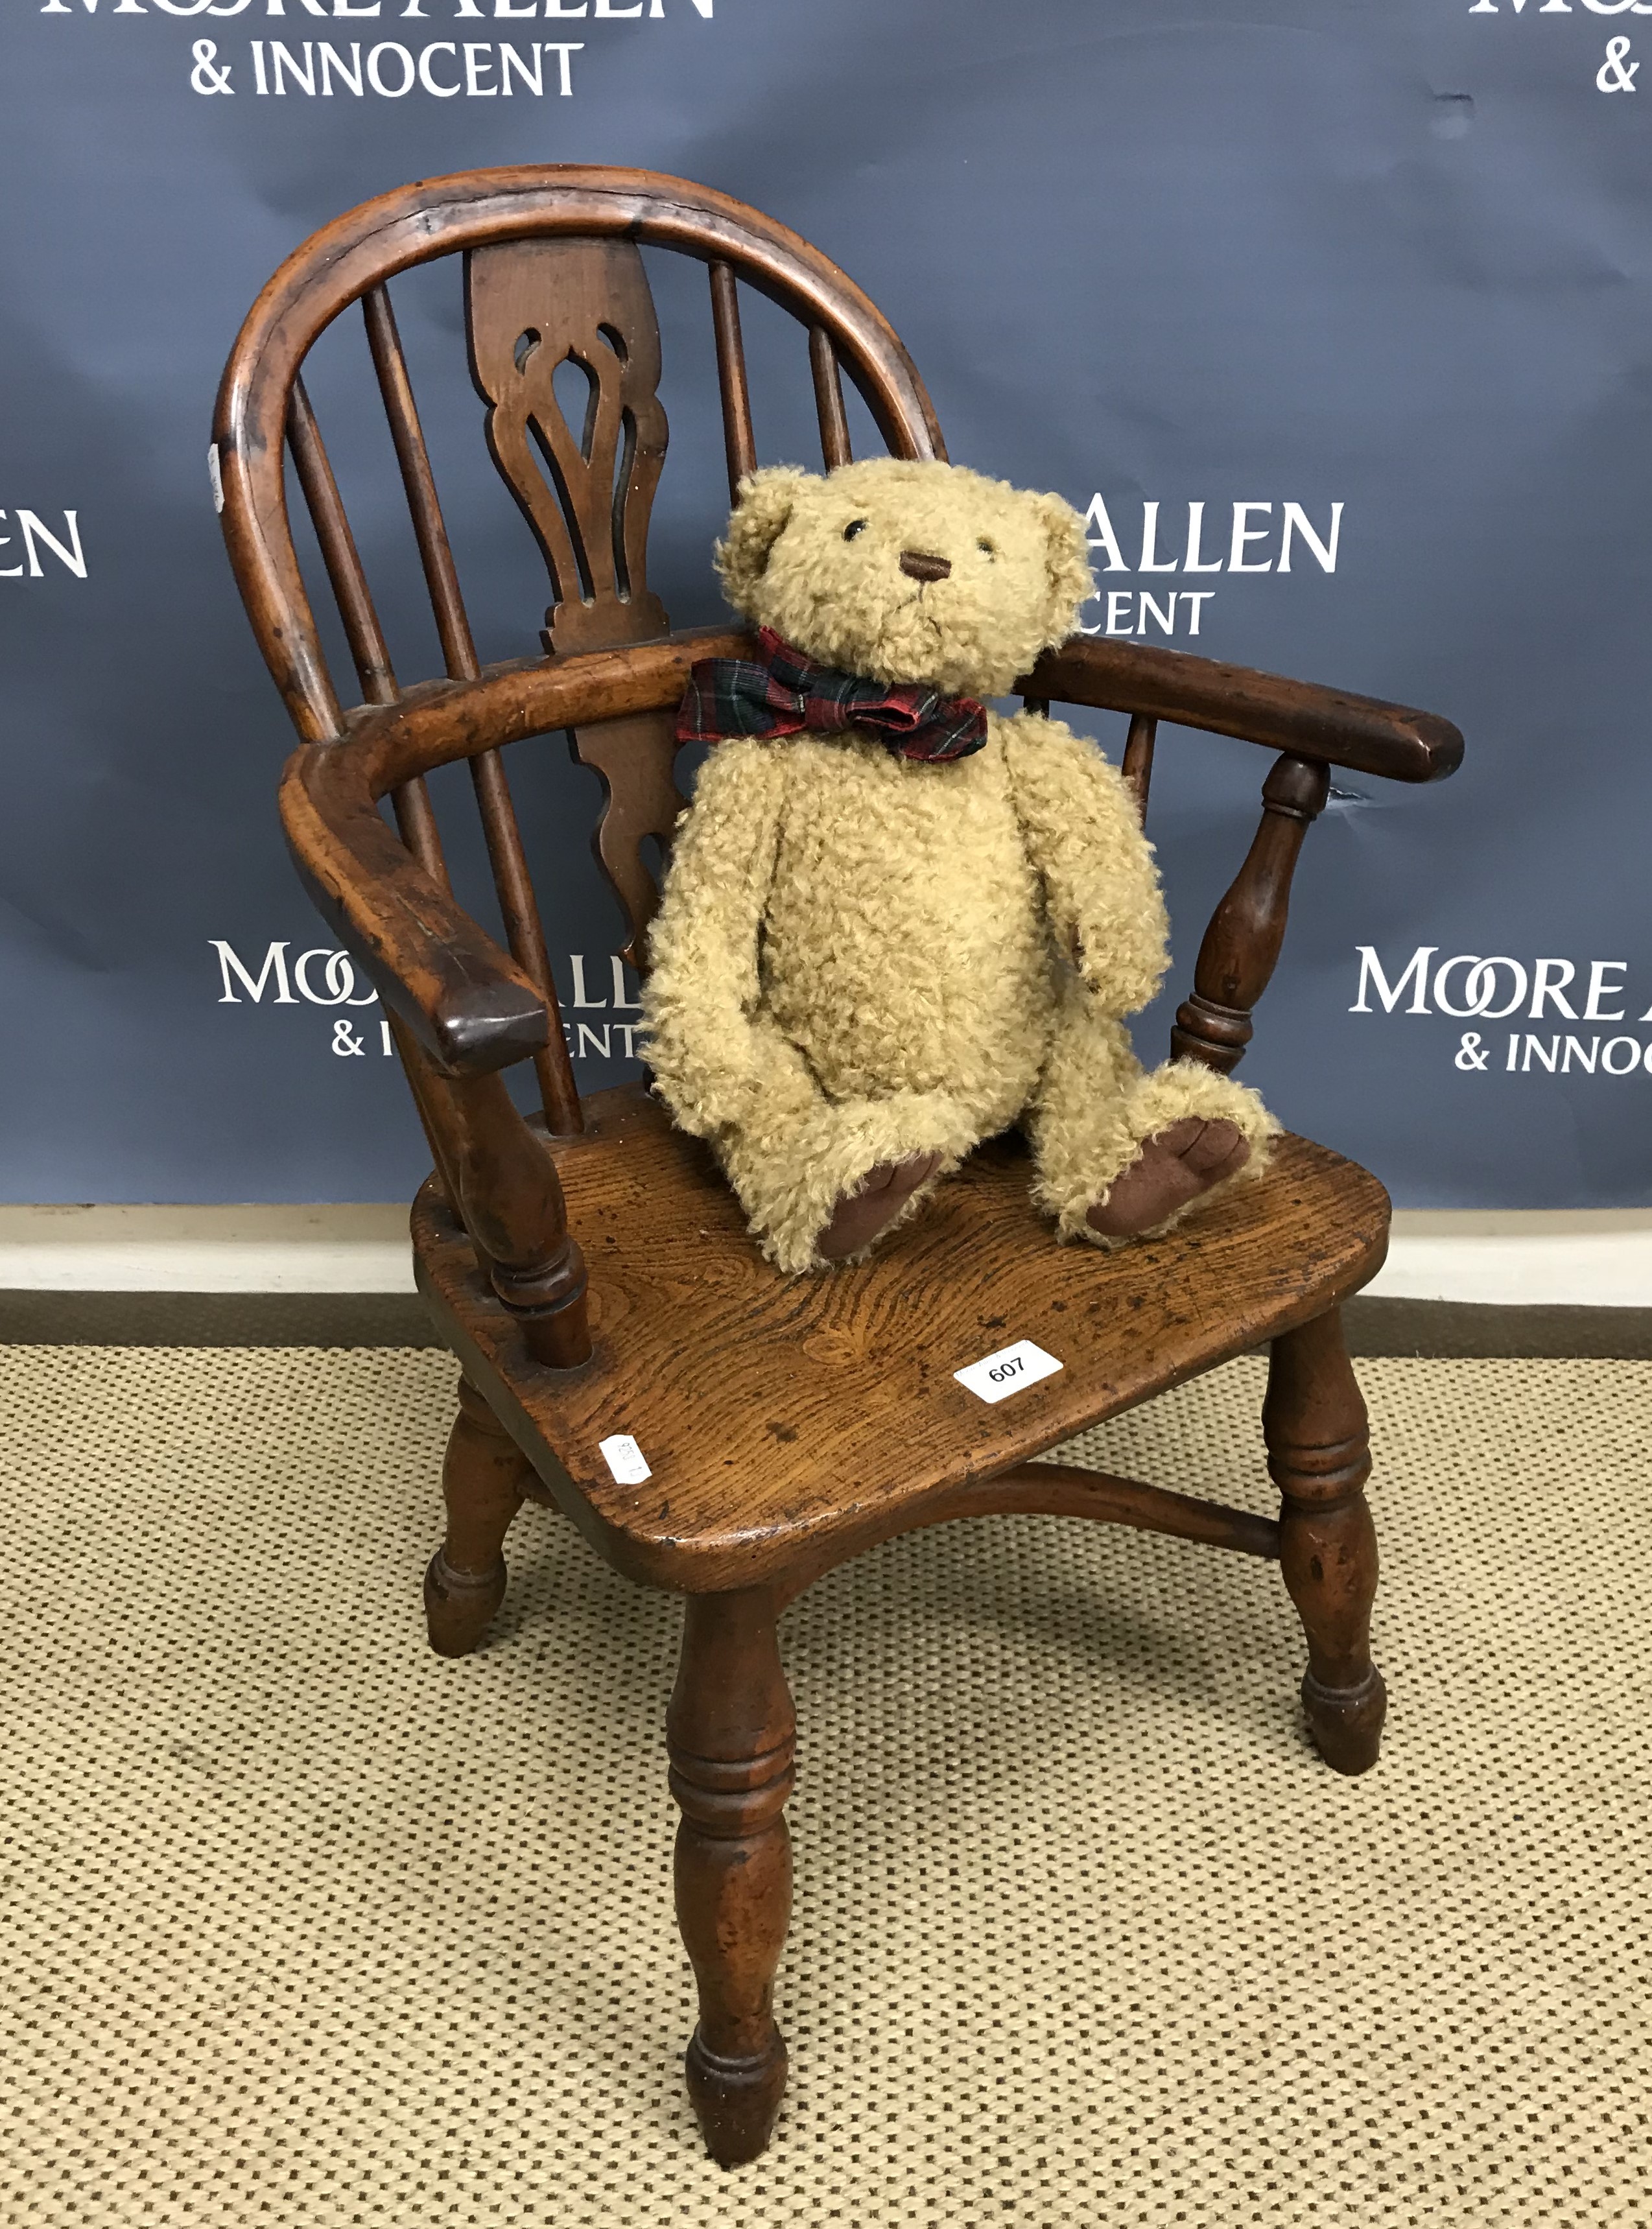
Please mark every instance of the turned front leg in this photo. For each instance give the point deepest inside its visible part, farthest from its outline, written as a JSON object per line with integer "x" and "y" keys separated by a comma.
{"x": 484, "y": 1480}
{"x": 1319, "y": 1454}
{"x": 730, "y": 1731}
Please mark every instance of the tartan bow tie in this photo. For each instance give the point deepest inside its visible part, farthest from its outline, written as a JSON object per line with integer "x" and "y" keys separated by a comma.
{"x": 788, "y": 693}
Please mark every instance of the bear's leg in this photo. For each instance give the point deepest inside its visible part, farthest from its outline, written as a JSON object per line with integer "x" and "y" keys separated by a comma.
{"x": 823, "y": 1186}
{"x": 1120, "y": 1152}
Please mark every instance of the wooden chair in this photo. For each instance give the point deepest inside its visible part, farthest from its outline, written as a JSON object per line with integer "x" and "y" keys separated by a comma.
{"x": 787, "y": 1425}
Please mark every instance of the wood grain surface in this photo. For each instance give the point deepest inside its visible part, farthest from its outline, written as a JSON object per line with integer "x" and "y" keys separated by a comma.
{"x": 790, "y": 1422}
{"x": 1301, "y": 717}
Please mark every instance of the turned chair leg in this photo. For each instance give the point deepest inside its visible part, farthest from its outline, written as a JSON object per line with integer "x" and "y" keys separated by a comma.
{"x": 1319, "y": 1453}
{"x": 730, "y": 1732}
{"x": 483, "y": 1482}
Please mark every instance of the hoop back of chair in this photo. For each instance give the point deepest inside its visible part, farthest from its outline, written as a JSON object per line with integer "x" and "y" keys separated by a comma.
{"x": 552, "y": 274}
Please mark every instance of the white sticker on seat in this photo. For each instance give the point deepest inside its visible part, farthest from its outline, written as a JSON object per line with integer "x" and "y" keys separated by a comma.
{"x": 624, "y": 1457}
{"x": 997, "y": 1376}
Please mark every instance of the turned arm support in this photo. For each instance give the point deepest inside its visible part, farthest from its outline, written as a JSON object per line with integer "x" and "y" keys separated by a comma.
{"x": 509, "y": 1200}
{"x": 1314, "y": 729}
{"x": 1241, "y": 946}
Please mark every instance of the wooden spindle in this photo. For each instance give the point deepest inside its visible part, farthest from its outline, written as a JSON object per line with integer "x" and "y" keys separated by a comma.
{"x": 828, "y": 398}
{"x": 558, "y": 1094}
{"x": 338, "y": 553}
{"x": 430, "y": 1106}
{"x": 1241, "y": 946}
{"x": 415, "y": 824}
{"x": 367, "y": 648}
{"x": 511, "y": 880}
{"x": 442, "y": 576}
{"x": 1138, "y": 759}
{"x": 415, "y": 819}
{"x": 737, "y": 440}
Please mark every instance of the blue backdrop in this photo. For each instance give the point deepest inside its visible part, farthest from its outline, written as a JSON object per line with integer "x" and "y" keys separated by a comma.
{"x": 1362, "y": 294}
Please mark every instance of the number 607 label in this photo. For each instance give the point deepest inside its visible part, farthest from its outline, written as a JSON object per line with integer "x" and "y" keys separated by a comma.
{"x": 997, "y": 1376}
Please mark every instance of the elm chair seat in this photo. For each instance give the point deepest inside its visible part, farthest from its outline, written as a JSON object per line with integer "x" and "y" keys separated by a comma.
{"x": 819, "y": 1421}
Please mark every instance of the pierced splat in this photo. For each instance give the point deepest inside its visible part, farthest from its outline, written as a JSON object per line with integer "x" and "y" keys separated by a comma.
{"x": 564, "y": 348}
{"x": 550, "y": 319}
{"x": 640, "y": 799}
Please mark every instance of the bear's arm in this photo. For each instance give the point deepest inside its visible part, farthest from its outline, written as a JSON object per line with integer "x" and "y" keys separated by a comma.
{"x": 1084, "y": 835}
{"x": 718, "y": 1062}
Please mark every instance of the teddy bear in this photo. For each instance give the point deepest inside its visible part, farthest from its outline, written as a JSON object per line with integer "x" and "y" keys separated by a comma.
{"x": 896, "y": 922}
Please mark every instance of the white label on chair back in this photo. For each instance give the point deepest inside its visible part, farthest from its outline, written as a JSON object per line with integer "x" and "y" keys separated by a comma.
{"x": 997, "y": 1376}
{"x": 624, "y": 1458}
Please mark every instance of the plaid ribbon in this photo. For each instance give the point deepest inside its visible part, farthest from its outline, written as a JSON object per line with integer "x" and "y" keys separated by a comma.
{"x": 788, "y": 693}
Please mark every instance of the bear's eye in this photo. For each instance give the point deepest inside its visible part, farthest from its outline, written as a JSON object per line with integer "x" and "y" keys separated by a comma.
{"x": 855, "y": 526}
{"x": 987, "y": 549}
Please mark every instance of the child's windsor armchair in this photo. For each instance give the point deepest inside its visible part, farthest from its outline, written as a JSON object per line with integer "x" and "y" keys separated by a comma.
{"x": 589, "y": 1268}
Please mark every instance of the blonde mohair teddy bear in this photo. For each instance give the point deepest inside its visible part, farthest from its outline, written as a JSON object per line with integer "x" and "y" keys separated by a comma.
{"x": 895, "y": 923}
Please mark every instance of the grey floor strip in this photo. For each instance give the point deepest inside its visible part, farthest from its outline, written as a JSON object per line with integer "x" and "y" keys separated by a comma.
{"x": 30, "y": 1319}
{"x": 1447, "y": 1328}
{"x": 1375, "y": 1326}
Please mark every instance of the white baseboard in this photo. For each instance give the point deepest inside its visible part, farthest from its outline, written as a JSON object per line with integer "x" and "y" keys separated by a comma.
{"x": 205, "y": 1250}
{"x": 1529, "y": 1257}
{"x": 1599, "y": 1258}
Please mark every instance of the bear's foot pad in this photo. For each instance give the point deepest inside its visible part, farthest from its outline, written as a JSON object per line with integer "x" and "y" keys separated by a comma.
{"x": 1171, "y": 1171}
{"x": 860, "y": 1215}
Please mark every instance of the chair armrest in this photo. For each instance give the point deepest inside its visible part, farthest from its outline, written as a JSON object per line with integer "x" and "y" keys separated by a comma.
{"x": 466, "y": 1004}
{"x": 1326, "y": 725}
{"x": 471, "y": 1010}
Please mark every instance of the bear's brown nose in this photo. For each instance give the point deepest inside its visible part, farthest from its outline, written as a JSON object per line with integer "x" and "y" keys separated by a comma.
{"x": 922, "y": 567}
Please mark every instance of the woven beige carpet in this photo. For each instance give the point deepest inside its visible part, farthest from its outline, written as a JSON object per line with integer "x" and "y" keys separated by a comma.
{"x": 306, "y": 1927}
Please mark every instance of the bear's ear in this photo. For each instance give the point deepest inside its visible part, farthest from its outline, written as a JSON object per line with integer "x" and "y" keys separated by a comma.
{"x": 763, "y": 502}
{"x": 1072, "y": 582}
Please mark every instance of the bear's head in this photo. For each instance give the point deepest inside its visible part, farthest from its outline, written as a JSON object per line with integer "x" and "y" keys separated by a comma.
{"x": 907, "y": 572}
